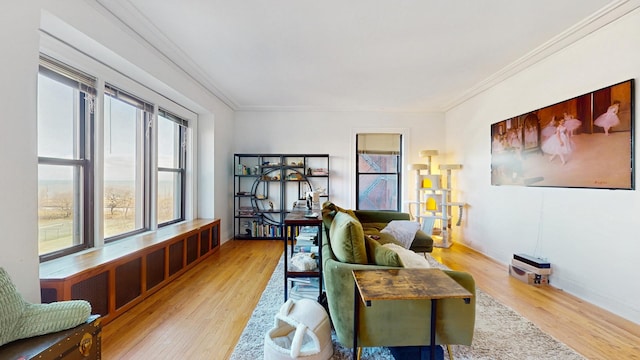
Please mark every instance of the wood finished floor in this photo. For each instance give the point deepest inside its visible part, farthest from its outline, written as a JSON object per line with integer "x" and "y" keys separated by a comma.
{"x": 202, "y": 314}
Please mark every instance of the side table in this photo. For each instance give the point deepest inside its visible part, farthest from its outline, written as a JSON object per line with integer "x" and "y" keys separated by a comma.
{"x": 406, "y": 284}
{"x": 301, "y": 217}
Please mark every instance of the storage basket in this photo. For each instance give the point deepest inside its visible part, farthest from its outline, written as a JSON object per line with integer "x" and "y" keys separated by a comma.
{"x": 301, "y": 331}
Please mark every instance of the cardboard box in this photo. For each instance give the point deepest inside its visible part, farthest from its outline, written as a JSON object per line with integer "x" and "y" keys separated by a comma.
{"x": 528, "y": 277}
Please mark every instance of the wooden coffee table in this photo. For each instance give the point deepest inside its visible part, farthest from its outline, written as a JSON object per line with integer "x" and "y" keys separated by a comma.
{"x": 404, "y": 284}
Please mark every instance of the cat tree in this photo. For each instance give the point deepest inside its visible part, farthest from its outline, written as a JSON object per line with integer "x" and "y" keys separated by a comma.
{"x": 433, "y": 203}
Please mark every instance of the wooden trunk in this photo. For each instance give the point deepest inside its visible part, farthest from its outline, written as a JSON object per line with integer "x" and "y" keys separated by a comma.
{"x": 82, "y": 342}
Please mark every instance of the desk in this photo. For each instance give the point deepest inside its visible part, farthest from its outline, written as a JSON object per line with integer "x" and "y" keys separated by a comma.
{"x": 404, "y": 284}
{"x": 299, "y": 218}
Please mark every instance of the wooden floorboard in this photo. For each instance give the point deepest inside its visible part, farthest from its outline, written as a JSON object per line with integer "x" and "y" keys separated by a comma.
{"x": 588, "y": 329}
{"x": 201, "y": 314}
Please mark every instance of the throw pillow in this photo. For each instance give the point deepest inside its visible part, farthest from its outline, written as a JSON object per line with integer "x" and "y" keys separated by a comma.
{"x": 329, "y": 211}
{"x": 347, "y": 211}
{"x": 20, "y": 319}
{"x": 408, "y": 258}
{"x": 402, "y": 230}
{"x": 347, "y": 239}
{"x": 380, "y": 255}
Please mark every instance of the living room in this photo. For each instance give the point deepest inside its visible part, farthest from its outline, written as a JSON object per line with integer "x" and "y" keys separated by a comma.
{"x": 588, "y": 234}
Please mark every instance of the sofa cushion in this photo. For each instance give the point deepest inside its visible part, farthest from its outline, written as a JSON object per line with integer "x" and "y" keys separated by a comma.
{"x": 408, "y": 258}
{"x": 347, "y": 239}
{"x": 422, "y": 242}
{"x": 373, "y": 227}
{"x": 380, "y": 255}
{"x": 402, "y": 230}
{"x": 378, "y": 236}
{"x": 329, "y": 211}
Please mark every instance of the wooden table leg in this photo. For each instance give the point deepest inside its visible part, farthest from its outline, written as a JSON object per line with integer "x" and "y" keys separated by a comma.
{"x": 356, "y": 319}
{"x": 432, "y": 339}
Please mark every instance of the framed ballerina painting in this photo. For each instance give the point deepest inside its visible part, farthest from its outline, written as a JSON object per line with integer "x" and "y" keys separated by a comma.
{"x": 584, "y": 142}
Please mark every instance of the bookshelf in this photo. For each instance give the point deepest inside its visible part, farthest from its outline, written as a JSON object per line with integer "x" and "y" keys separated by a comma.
{"x": 267, "y": 186}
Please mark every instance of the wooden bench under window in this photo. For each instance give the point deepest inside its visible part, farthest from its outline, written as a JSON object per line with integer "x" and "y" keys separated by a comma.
{"x": 117, "y": 276}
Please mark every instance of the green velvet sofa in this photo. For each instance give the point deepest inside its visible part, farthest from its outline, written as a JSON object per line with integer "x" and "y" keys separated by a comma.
{"x": 385, "y": 323}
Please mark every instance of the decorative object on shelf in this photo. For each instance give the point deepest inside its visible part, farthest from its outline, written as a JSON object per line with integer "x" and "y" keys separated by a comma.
{"x": 314, "y": 196}
{"x": 296, "y": 176}
{"x": 433, "y": 203}
{"x": 309, "y": 202}
{"x": 320, "y": 172}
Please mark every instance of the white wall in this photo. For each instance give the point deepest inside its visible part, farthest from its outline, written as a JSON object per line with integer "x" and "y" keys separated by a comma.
{"x": 84, "y": 25}
{"x": 589, "y": 236}
{"x": 18, "y": 160}
{"x": 333, "y": 133}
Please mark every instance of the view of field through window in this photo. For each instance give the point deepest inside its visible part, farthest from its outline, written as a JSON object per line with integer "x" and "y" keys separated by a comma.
{"x": 62, "y": 117}
{"x": 56, "y": 211}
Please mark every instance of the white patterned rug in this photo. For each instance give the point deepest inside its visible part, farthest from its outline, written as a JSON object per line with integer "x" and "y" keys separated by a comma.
{"x": 500, "y": 332}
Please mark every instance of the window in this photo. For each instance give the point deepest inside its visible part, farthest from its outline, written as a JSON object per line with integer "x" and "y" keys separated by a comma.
{"x": 126, "y": 174}
{"x": 65, "y": 118}
{"x": 378, "y": 164}
{"x": 143, "y": 165}
{"x": 172, "y": 142}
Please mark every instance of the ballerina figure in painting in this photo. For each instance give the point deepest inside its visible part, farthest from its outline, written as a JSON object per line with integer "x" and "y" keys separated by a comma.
{"x": 610, "y": 118}
{"x": 530, "y": 136}
{"x": 559, "y": 144}
{"x": 571, "y": 123}
{"x": 550, "y": 129}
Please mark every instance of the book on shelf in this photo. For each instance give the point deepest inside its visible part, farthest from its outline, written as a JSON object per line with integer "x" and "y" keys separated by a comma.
{"x": 308, "y": 230}
{"x": 304, "y": 288}
{"x": 305, "y": 248}
{"x": 296, "y": 295}
{"x": 304, "y": 280}
{"x": 305, "y": 284}
{"x": 265, "y": 230}
{"x": 307, "y": 237}
{"x": 245, "y": 211}
{"x": 307, "y": 242}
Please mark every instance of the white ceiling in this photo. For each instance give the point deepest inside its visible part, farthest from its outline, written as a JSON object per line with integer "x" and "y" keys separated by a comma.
{"x": 389, "y": 55}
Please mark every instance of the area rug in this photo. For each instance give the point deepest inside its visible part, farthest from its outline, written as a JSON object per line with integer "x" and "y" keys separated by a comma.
{"x": 500, "y": 332}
